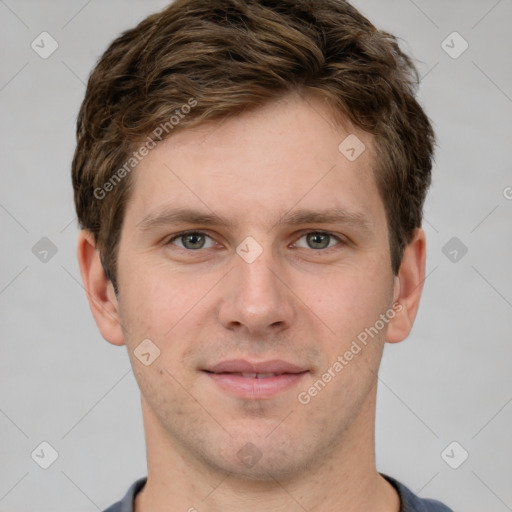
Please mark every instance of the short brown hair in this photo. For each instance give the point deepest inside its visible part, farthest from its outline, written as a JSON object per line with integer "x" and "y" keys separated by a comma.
{"x": 221, "y": 57}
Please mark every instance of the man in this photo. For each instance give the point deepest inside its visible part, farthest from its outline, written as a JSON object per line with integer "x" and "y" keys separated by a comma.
{"x": 250, "y": 177}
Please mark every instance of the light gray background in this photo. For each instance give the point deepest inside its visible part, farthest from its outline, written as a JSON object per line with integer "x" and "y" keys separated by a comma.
{"x": 450, "y": 381}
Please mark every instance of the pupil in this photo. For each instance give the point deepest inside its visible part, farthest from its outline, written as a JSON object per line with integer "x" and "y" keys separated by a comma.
{"x": 194, "y": 240}
{"x": 318, "y": 239}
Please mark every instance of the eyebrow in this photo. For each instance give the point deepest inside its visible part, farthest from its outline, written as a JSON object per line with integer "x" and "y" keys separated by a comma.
{"x": 328, "y": 216}
{"x": 167, "y": 217}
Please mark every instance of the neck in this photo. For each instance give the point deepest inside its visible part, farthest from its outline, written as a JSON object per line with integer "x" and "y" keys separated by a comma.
{"x": 345, "y": 480}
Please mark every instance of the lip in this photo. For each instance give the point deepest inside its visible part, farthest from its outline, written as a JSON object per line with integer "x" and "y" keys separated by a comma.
{"x": 238, "y": 377}
{"x": 243, "y": 366}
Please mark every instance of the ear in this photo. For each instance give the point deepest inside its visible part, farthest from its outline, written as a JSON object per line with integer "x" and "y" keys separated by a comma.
{"x": 408, "y": 288}
{"x": 100, "y": 292}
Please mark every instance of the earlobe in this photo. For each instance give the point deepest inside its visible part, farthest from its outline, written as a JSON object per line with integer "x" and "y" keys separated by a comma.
{"x": 408, "y": 288}
{"x": 100, "y": 292}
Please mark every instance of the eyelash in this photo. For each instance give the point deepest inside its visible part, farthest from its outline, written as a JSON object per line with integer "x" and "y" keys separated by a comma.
{"x": 202, "y": 233}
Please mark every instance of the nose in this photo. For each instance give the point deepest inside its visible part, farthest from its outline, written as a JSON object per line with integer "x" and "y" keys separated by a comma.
{"x": 256, "y": 299}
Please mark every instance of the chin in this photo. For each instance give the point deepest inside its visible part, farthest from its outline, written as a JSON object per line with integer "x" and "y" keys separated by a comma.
{"x": 263, "y": 460}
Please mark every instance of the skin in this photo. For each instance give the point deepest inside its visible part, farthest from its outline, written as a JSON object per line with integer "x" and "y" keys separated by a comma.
{"x": 297, "y": 301}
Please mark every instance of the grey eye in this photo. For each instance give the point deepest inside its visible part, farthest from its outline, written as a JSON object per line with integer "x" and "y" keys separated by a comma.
{"x": 192, "y": 241}
{"x": 317, "y": 240}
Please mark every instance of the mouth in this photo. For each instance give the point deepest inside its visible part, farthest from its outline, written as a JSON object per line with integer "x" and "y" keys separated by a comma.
{"x": 250, "y": 375}
{"x": 255, "y": 380}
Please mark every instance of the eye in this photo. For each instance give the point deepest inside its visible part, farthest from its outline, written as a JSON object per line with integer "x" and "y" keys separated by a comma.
{"x": 193, "y": 240}
{"x": 318, "y": 240}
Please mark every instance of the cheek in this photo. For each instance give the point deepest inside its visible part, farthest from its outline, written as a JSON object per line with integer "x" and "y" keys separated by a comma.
{"x": 351, "y": 299}
{"x": 161, "y": 303}
{"x": 150, "y": 303}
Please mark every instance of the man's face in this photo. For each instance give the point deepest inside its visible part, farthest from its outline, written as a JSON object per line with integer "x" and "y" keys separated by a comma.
{"x": 277, "y": 280}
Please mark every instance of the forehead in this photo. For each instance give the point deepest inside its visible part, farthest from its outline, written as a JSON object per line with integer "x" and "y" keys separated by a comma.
{"x": 257, "y": 165}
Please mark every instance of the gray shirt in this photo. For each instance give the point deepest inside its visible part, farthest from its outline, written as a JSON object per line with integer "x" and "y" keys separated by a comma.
{"x": 408, "y": 501}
